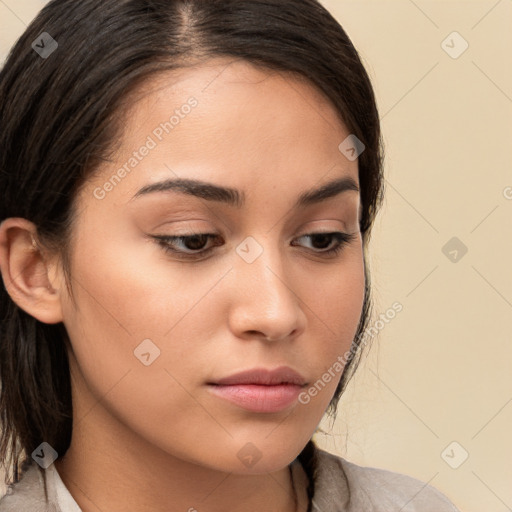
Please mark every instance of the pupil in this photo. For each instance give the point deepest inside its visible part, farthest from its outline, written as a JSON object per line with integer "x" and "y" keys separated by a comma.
{"x": 193, "y": 241}
{"x": 325, "y": 238}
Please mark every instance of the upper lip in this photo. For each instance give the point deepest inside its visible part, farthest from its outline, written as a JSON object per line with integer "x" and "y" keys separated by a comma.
{"x": 264, "y": 377}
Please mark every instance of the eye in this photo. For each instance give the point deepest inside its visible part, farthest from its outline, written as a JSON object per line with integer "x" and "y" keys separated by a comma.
{"x": 326, "y": 240}
{"x": 188, "y": 245}
{"x": 194, "y": 245}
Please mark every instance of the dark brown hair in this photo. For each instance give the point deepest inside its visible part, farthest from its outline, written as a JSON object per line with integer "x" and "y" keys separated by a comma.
{"x": 60, "y": 118}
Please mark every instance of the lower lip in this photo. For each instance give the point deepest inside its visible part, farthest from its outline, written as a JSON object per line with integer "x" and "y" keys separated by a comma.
{"x": 258, "y": 398}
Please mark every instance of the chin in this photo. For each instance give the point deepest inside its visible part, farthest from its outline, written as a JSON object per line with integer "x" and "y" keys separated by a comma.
{"x": 262, "y": 455}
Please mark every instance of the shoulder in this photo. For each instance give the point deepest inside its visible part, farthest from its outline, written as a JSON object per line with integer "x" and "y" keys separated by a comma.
{"x": 27, "y": 495}
{"x": 354, "y": 488}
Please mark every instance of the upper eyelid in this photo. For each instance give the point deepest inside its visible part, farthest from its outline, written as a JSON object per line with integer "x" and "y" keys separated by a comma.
{"x": 311, "y": 232}
{"x": 228, "y": 229}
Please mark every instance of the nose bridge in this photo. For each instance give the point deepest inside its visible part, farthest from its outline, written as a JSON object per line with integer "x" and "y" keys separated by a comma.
{"x": 262, "y": 266}
{"x": 266, "y": 301}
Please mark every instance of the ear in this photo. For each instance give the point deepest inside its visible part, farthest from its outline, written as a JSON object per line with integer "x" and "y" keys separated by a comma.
{"x": 25, "y": 271}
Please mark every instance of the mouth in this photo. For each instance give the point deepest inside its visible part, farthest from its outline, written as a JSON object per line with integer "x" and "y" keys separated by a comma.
{"x": 260, "y": 390}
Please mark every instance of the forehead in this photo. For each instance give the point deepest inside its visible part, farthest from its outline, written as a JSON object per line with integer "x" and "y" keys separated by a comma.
{"x": 230, "y": 122}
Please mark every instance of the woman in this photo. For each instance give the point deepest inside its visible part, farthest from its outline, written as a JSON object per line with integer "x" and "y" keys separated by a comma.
{"x": 188, "y": 192}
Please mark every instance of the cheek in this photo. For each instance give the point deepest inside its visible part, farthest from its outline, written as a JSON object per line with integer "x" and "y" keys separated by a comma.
{"x": 336, "y": 299}
{"x": 335, "y": 304}
{"x": 125, "y": 299}
{"x": 130, "y": 288}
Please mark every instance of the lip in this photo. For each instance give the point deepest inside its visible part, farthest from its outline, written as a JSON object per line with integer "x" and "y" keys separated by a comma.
{"x": 264, "y": 377}
{"x": 260, "y": 390}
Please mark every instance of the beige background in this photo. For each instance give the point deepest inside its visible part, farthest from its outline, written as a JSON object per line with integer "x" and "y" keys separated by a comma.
{"x": 440, "y": 371}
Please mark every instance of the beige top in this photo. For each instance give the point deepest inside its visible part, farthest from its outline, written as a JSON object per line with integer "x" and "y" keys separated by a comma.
{"x": 340, "y": 486}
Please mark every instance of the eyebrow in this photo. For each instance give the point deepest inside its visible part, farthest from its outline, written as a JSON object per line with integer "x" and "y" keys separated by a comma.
{"x": 236, "y": 198}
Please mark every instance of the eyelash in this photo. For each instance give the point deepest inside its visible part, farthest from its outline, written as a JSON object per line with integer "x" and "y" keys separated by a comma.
{"x": 166, "y": 242}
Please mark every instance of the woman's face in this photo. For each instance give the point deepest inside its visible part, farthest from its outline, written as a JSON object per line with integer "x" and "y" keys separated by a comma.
{"x": 154, "y": 331}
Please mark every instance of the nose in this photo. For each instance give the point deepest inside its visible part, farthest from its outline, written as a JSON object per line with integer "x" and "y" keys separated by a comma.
{"x": 264, "y": 303}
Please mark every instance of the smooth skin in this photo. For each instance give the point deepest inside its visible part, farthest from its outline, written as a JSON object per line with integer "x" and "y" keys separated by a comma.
{"x": 154, "y": 437}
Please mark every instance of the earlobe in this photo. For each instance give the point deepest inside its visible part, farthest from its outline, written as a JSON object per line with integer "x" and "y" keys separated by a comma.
{"x": 25, "y": 271}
